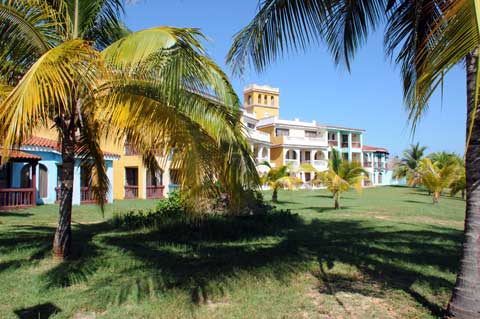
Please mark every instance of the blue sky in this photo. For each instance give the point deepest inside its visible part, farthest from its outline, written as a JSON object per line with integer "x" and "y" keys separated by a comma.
{"x": 313, "y": 88}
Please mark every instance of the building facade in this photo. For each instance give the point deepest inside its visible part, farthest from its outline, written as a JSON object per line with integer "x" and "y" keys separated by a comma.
{"x": 305, "y": 146}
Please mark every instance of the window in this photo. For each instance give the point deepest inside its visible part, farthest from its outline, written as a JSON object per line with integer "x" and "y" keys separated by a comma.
{"x": 332, "y": 136}
{"x": 154, "y": 178}
{"x": 272, "y": 101}
{"x": 25, "y": 177}
{"x": 282, "y": 132}
{"x": 311, "y": 134}
{"x": 308, "y": 177}
{"x": 259, "y": 100}
{"x": 265, "y": 100}
{"x": 251, "y": 125}
{"x": 5, "y": 176}
{"x": 131, "y": 176}
{"x": 249, "y": 100}
{"x": 43, "y": 181}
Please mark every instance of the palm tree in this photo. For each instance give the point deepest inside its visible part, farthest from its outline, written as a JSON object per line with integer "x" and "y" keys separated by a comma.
{"x": 426, "y": 37}
{"x": 443, "y": 159}
{"x": 279, "y": 178}
{"x": 409, "y": 163}
{"x": 436, "y": 178}
{"x": 69, "y": 64}
{"x": 459, "y": 184}
{"x": 341, "y": 176}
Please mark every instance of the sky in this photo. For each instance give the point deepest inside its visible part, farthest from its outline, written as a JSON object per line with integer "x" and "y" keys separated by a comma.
{"x": 313, "y": 88}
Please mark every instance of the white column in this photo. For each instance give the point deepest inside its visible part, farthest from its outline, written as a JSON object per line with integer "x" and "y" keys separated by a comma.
{"x": 76, "y": 183}
{"x": 268, "y": 154}
{"x": 349, "y": 146}
{"x": 144, "y": 185}
{"x": 298, "y": 156}
{"x": 110, "y": 181}
{"x": 339, "y": 145}
{"x": 259, "y": 153}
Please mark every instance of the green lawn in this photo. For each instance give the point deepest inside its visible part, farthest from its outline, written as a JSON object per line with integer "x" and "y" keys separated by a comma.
{"x": 387, "y": 254}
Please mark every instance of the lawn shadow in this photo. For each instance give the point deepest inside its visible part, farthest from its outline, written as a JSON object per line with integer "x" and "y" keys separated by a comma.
{"x": 204, "y": 259}
{"x": 43, "y": 311}
{"x": 15, "y": 214}
{"x": 324, "y": 209}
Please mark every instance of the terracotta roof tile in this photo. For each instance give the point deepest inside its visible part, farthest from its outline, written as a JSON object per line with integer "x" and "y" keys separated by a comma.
{"x": 52, "y": 144}
{"x": 374, "y": 148}
{"x": 16, "y": 154}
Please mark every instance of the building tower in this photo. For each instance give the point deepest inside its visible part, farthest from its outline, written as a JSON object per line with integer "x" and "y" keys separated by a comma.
{"x": 261, "y": 100}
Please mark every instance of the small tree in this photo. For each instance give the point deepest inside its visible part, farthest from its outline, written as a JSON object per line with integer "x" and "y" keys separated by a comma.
{"x": 434, "y": 178}
{"x": 278, "y": 178}
{"x": 341, "y": 176}
{"x": 459, "y": 183}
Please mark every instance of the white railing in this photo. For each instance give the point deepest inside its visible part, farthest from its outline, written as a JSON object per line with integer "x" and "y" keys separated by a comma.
{"x": 261, "y": 160}
{"x": 291, "y": 162}
{"x": 307, "y": 141}
{"x": 320, "y": 163}
{"x": 258, "y": 135}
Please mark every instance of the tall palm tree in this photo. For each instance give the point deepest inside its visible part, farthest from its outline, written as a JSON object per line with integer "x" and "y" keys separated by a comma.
{"x": 91, "y": 80}
{"x": 436, "y": 178}
{"x": 426, "y": 37}
{"x": 341, "y": 176}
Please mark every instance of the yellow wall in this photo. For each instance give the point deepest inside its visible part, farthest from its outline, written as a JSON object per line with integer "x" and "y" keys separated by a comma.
{"x": 276, "y": 156}
{"x": 260, "y": 107}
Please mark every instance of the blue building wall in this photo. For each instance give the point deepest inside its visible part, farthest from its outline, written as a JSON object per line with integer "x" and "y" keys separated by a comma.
{"x": 51, "y": 160}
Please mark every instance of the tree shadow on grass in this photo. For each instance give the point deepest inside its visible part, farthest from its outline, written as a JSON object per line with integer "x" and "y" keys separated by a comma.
{"x": 205, "y": 260}
{"x": 43, "y": 311}
{"x": 14, "y": 214}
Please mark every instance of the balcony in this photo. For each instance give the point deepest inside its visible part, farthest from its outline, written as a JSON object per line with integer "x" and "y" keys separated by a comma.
{"x": 131, "y": 192}
{"x": 258, "y": 135}
{"x": 86, "y": 195}
{"x": 130, "y": 150}
{"x": 345, "y": 144}
{"x": 304, "y": 141}
{"x": 332, "y": 143}
{"x": 293, "y": 163}
{"x": 356, "y": 144}
{"x": 16, "y": 197}
{"x": 320, "y": 164}
{"x": 367, "y": 164}
{"x": 155, "y": 192}
{"x": 380, "y": 165}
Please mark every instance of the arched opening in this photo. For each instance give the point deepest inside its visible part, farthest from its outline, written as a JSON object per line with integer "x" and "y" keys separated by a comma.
{"x": 249, "y": 100}
{"x": 265, "y": 100}
{"x": 26, "y": 176}
{"x": 272, "y": 101}
{"x": 291, "y": 155}
{"x": 43, "y": 181}
{"x": 380, "y": 178}
{"x": 319, "y": 156}
{"x": 259, "y": 100}
{"x": 264, "y": 154}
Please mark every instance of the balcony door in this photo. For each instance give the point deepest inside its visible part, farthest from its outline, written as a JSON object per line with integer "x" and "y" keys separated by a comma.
{"x": 131, "y": 182}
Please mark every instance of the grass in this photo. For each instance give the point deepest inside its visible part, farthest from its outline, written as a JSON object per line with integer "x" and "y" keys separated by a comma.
{"x": 387, "y": 254}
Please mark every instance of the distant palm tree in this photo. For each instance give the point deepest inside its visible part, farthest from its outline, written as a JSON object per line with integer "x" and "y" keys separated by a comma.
{"x": 279, "y": 178}
{"x": 341, "y": 176}
{"x": 436, "y": 178}
{"x": 69, "y": 64}
{"x": 426, "y": 38}
{"x": 407, "y": 166}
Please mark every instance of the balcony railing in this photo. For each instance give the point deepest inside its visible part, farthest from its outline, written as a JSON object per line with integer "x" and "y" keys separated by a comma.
{"x": 380, "y": 165}
{"x": 356, "y": 144}
{"x": 333, "y": 143}
{"x": 291, "y": 162}
{"x": 320, "y": 163}
{"x": 261, "y": 160}
{"x": 131, "y": 192}
{"x": 155, "y": 192}
{"x": 130, "y": 150}
{"x": 258, "y": 135}
{"x": 16, "y": 198}
{"x": 86, "y": 195}
{"x": 309, "y": 141}
{"x": 344, "y": 144}
{"x": 367, "y": 164}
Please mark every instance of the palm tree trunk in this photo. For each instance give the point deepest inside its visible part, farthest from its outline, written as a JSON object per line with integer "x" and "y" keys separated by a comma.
{"x": 63, "y": 236}
{"x": 275, "y": 195}
{"x": 436, "y": 195}
{"x": 337, "y": 202}
{"x": 465, "y": 302}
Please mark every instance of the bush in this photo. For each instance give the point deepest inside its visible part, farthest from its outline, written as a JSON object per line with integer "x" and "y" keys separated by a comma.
{"x": 173, "y": 220}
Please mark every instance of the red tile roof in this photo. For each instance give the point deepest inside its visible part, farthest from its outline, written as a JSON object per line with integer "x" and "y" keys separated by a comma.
{"x": 52, "y": 144}
{"x": 374, "y": 149}
{"x": 15, "y": 154}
